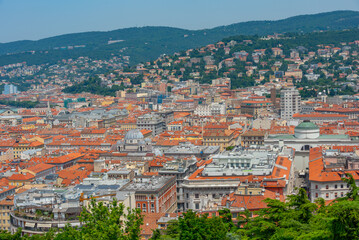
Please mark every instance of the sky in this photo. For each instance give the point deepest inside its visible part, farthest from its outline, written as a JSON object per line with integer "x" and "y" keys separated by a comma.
{"x": 36, "y": 19}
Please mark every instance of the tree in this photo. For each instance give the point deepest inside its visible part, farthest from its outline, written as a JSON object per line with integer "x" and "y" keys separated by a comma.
{"x": 156, "y": 234}
{"x": 226, "y": 216}
{"x": 106, "y": 222}
{"x": 353, "y": 188}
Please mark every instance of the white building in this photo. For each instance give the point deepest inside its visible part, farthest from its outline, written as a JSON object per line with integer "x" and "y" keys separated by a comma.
{"x": 210, "y": 110}
{"x": 327, "y": 168}
{"x": 306, "y": 136}
{"x": 290, "y": 103}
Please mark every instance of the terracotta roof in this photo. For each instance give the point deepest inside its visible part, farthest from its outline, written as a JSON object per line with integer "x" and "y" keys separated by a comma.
{"x": 21, "y": 177}
{"x": 40, "y": 167}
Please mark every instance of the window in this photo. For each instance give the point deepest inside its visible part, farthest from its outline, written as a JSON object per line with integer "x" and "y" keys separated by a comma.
{"x": 152, "y": 205}
{"x": 196, "y": 195}
{"x": 327, "y": 186}
{"x": 341, "y": 194}
{"x": 341, "y": 186}
{"x": 335, "y": 195}
{"x": 197, "y": 206}
{"x": 138, "y": 205}
{"x": 327, "y": 195}
{"x": 144, "y": 205}
{"x": 316, "y": 195}
{"x": 316, "y": 186}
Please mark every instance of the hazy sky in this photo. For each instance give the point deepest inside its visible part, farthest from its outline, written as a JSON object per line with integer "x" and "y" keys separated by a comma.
{"x": 35, "y": 19}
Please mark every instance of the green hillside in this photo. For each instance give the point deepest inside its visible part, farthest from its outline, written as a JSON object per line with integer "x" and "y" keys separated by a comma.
{"x": 147, "y": 43}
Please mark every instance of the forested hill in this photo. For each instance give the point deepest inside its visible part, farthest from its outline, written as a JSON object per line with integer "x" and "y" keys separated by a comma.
{"x": 147, "y": 43}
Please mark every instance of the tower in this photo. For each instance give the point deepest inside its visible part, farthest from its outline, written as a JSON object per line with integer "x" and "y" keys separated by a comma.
{"x": 290, "y": 103}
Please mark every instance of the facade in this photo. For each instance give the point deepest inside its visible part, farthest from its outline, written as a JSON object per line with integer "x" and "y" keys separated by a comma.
{"x": 175, "y": 126}
{"x": 134, "y": 142}
{"x": 252, "y": 137}
{"x": 306, "y": 136}
{"x": 180, "y": 170}
{"x": 222, "y": 176}
{"x": 11, "y": 120}
{"x": 152, "y": 122}
{"x": 327, "y": 167}
{"x": 319, "y": 118}
{"x": 40, "y": 170}
{"x": 290, "y": 103}
{"x": 212, "y": 109}
{"x": 22, "y": 146}
{"x": 186, "y": 149}
{"x": 223, "y": 139}
{"x": 6, "y": 207}
{"x": 10, "y": 89}
{"x": 36, "y": 211}
{"x": 255, "y": 107}
{"x": 154, "y": 194}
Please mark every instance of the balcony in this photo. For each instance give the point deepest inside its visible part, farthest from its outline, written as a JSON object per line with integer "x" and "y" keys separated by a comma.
{"x": 32, "y": 224}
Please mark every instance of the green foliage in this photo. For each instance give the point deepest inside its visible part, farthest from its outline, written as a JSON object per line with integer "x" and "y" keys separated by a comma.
{"x": 93, "y": 85}
{"x": 296, "y": 219}
{"x": 21, "y": 104}
{"x": 105, "y": 222}
{"x": 229, "y": 148}
{"x": 194, "y": 227}
{"x": 148, "y": 43}
{"x": 98, "y": 222}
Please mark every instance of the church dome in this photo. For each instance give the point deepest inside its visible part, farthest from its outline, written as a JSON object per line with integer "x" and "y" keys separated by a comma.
{"x": 307, "y": 129}
{"x": 134, "y": 134}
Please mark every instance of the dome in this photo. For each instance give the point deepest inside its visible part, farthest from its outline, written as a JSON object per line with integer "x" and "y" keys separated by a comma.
{"x": 307, "y": 129}
{"x": 306, "y": 124}
{"x": 134, "y": 134}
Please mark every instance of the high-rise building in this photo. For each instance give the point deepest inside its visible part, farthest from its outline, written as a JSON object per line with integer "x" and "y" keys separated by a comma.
{"x": 10, "y": 89}
{"x": 290, "y": 103}
{"x": 273, "y": 95}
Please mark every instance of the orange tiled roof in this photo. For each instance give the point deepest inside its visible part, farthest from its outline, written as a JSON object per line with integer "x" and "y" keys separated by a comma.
{"x": 40, "y": 167}
{"x": 21, "y": 177}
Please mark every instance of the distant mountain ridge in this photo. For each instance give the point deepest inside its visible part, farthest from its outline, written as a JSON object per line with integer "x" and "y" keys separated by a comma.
{"x": 147, "y": 43}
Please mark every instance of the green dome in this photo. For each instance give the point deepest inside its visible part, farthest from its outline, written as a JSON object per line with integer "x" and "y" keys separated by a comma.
{"x": 306, "y": 124}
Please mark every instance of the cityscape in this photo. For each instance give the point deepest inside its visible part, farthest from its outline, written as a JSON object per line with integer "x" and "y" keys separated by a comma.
{"x": 251, "y": 136}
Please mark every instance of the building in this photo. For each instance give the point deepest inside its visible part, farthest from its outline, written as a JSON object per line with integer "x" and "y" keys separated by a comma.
{"x": 134, "y": 142}
{"x": 306, "y": 136}
{"x": 252, "y": 137}
{"x": 37, "y": 211}
{"x": 154, "y": 194}
{"x": 290, "y": 103}
{"x": 320, "y": 118}
{"x": 152, "y": 122}
{"x": 212, "y": 109}
{"x": 6, "y": 207}
{"x": 40, "y": 170}
{"x": 327, "y": 167}
{"x": 255, "y": 107}
{"x": 11, "y": 120}
{"x": 221, "y": 138}
{"x": 23, "y": 145}
{"x": 10, "y": 89}
{"x": 19, "y": 180}
{"x": 187, "y": 149}
{"x": 221, "y": 176}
